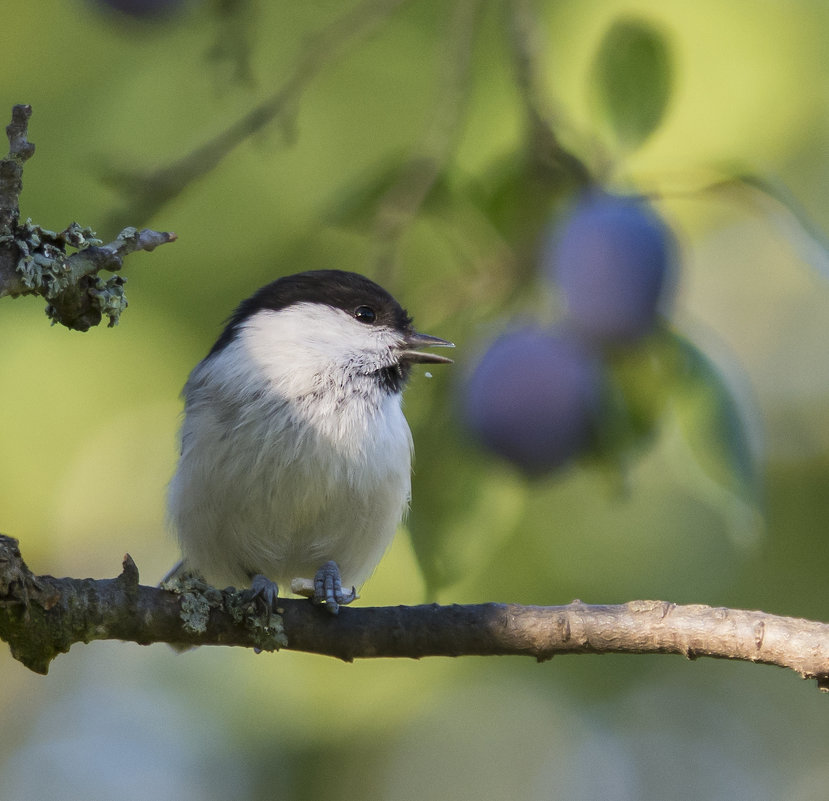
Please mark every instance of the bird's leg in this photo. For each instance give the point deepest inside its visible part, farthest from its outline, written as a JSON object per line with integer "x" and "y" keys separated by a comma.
{"x": 328, "y": 588}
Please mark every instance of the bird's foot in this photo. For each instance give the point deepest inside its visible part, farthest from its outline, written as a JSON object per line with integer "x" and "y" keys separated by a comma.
{"x": 263, "y": 594}
{"x": 328, "y": 588}
{"x": 263, "y": 591}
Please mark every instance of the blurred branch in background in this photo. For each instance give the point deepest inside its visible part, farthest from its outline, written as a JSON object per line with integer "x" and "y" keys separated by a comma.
{"x": 41, "y": 616}
{"x": 147, "y": 192}
{"x": 548, "y": 156}
{"x": 399, "y": 205}
{"x": 33, "y": 260}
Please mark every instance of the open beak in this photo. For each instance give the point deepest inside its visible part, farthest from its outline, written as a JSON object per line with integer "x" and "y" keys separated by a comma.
{"x": 409, "y": 352}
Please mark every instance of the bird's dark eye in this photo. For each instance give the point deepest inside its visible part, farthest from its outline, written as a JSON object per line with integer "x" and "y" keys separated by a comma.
{"x": 365, "y": 314}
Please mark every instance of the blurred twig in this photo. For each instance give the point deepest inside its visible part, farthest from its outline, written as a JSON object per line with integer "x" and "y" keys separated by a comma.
{"x": 149, "y": 192}
{"x": 42, "y": 616}
{"x": 236, "y": 24}
{"x": 551, "y": 158}
{"x": 401, "y": 202}
{"x": 764, "y": 195}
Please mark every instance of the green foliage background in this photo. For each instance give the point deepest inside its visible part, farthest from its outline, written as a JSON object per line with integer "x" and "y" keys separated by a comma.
{"x": 89, "y": 421}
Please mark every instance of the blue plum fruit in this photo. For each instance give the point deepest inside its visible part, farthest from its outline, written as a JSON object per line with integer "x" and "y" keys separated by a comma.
{"x": 534, "y": 398}
{"x": 144, "y": 8}
{"x": 612, "y": 259}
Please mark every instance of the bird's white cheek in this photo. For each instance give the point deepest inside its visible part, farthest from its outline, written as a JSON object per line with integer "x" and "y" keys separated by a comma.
{"x": 306, "y": 346}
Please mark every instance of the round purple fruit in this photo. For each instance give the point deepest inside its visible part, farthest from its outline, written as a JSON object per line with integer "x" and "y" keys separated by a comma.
{"x": 148, "y": 9}
{"x": 534, "y": 398}
{"x": 611, "y": 258}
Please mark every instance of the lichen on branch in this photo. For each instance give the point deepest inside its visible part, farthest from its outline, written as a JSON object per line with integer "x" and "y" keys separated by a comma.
{"x": 37, "y": 261}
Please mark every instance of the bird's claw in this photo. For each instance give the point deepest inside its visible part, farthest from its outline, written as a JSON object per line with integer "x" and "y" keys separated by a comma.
{"x": 264, "y": 591}
{"x": 328, "y": 588}
{"x": 263, "y": 594}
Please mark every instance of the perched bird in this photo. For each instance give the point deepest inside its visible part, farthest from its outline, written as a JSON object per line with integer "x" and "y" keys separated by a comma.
{"x": 295, "y": 454}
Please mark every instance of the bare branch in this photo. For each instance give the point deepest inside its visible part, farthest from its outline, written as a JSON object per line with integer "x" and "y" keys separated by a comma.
{"x": 34, "y": 260}
{"x": 41, "y": 616}
{"x": 11, "y": 168}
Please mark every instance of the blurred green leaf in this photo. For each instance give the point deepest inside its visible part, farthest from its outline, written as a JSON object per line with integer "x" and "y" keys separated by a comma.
{"x": 356, "y": 207}
{"x": 712, "y": 422}
{"x": 768, "y": 196}
{"x": 632, "y": 79}
{"x": 635, "y": 395}
{"x": 520, "y": 199}
{"x": 667, "y": 372}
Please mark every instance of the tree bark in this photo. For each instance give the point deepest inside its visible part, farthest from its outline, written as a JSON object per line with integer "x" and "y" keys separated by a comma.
{"x": 42, "y": 616}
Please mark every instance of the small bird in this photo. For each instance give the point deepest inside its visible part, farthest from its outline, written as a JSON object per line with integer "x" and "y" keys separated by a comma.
{"x": 295, "y": 455}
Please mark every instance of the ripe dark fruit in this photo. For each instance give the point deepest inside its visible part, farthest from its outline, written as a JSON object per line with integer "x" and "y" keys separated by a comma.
{"x": 148, "y": 9}
{"x": 611, "y": 258}
{"x": 534, "y": 398}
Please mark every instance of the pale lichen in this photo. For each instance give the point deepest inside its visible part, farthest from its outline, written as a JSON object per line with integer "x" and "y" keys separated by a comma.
{"x": 35, "y": 260}
{"x": 195, "y": 612}
{"x": 198, "y": 598}
{"x": 43, "y": 265}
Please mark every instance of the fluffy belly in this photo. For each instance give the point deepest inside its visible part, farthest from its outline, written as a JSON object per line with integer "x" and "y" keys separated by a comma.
{"x": 283, "y": 511}
{"x": 294, "y": 535}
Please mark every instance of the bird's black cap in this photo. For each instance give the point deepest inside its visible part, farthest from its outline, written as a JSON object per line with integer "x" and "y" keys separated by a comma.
{"x": 336, "y": 288}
